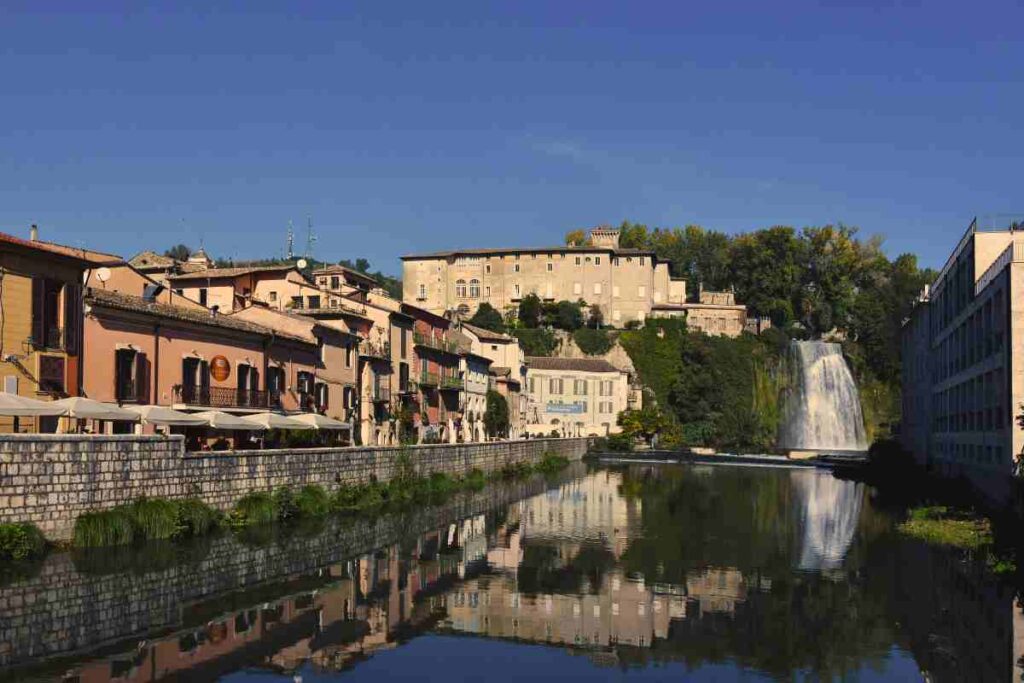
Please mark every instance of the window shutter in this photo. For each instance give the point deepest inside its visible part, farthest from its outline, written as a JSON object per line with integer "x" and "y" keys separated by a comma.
{"x": 72, "y": 317}
{"x": 38, "y": 287}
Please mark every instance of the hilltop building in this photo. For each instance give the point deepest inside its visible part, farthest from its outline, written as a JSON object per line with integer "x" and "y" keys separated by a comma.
{"x": 624, "y": 283}
{"x": 963, "y": 350}
{"x": 714, "y": 313}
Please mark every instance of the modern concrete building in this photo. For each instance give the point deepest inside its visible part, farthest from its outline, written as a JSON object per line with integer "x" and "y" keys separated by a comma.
{"x": 969, "y": 326}
{"x": 624, "y": 283}
{"x": 574, "y": 396}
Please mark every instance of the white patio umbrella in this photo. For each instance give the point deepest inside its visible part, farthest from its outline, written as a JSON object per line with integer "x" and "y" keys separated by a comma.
{"x": 81, "y": 408}
{"x": 13, "y": 405}
{"x": 317, "y": 421}
{"x": 220, "y": 420}
{"x": 275, "y": 421}
{"x": 159, "y": 415}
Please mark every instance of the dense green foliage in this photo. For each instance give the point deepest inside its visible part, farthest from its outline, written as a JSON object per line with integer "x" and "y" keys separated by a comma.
{"x": 488, "y": 317}
{"x": 536, "y": 342}
{"x": 646, "y": 423}
{"x": 496, "y": 415}
{"x": 593, "y": 342}
{"x": 20, "y": 542}
{"x": 718, "y": 391}
{"x": 145, "y": 519}
{"x": 530, "y": 311}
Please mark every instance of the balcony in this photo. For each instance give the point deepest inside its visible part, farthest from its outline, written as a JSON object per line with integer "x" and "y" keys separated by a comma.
{"x": 379, "y": 350}
{"x": 451, "y": 383}
{"x": 226, "y": 397}
{"x": 381, "y": 394}
{"x": 48, "y": 338}
{"x": 435, "y": 342}
{"x": 428, "y": 379}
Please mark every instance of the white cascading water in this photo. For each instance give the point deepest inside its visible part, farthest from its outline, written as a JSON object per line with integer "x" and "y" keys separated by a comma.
{"x": 822, "y": 412}
{"x": 829, "y": 513}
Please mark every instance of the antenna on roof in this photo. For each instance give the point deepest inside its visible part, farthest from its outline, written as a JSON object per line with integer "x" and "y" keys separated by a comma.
{"x": 310, "y": 237}
{"x": 291, "y": 242}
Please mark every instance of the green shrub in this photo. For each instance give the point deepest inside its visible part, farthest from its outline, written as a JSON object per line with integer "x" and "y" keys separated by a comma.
{"x": 20, "y": 541}
{"x": 153, "y": 518}
{"x": 255, "y": 508}
{"x": 551, "y": 463}
{"x": 105, "y": 527}
{"x": 284, "y": 503}
{"x": 620, "y": 443}
{"x": 475, "y": 480}
{"x": 196, "y": 518}
{"x": 312, "y": 501}
{"x": 538, "y": 342}
{"x": 593, "y": 342}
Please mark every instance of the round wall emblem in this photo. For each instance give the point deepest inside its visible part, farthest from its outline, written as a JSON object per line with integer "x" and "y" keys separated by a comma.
{"x": 220, "y": 368}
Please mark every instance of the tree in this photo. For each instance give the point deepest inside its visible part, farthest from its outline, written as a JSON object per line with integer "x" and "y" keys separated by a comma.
{"x": 362, "y": 265}
{"x": 530, "y": 310}
{"x": 496, "y": 420}
{"x": 179, "y": 252}
{"x": 568, "y": 316}
{"x": 632, "y": 235}
{"x": 596, "y": 318}
{"x": 488, "y": 317}
{"x": 646, "y": 423}
{"x": 576, "y": 238}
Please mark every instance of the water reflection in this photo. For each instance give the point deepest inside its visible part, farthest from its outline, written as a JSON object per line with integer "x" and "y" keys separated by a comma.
{"x": 785, "y": 573}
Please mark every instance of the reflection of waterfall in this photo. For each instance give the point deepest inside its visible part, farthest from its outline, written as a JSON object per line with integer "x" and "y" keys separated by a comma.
{"x": 823, "y": 411}
{"x": 829, "y": 511}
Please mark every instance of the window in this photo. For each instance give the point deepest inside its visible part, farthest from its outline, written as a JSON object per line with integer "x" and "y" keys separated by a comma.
{"x": 128, "y": 378}
{"x": 313, "y": 301}
{"x": 405, "y": 341}
{"x": 304, "y": 385}
{"x": 641, "y": 291}
{"x": 323, "y": 281}
{"x": 516, "y": 288}
{"x": 335, "y": 282}
{"x": 487, "y": 268}
{"x": 460, "y": 289}
{"x": 422, "y": 291}
{"x": 320, "y": 396}
{"x": 641, "y": 260}
{"x": 202, "y": 296}
{"x": 321, "y": 349}
{"x": 579, "y": 387}
{"x": 273, "y": 296}
{"x": 555, "y": 386}
{"x": 597, "y": 288}
{"x": 474, "y": 288}
{"x": 296, "y": 302}
{"x": 533, "y": 385}
{"x": 597, "y": 260}
{"x": 551, "y": 267}
{"x": 348, "y": 356}
{"x": 517, "y": 268}
{"x": 578, "y": 260}
{"x": 334, "y": 303}
{"x": 577, "y": 288}
{"x": 615, "y": 291}
{"x": 487, "y": 291}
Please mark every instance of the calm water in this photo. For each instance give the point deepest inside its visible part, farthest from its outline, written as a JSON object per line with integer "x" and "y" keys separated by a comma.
{"x": 658, "y": 572}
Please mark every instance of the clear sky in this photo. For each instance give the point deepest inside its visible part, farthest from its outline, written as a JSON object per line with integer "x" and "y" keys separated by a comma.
{"x": 411, "y": 126}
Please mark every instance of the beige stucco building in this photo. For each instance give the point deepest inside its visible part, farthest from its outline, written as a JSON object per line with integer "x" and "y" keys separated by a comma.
{"x": 624, "y": 283}
{"x": 714, "y": 313}
{"x": 507, "y": 369}
{"x": 970, "y": 324}
{"x": 226, "y": 289}
{"x": 574, "y": 396}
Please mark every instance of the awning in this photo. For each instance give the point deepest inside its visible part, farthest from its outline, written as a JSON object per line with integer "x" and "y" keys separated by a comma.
{"x": 275, "y": 421}
{"x": 159, "y": 415}
{"x": 317, "y": 421}
{"x": 13, "y": 405}
{"x": 219, "y": 420}
{"x": 82, "y": 408}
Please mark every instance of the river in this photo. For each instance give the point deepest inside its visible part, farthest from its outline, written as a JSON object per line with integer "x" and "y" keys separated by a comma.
{"x": 708, "y": 573}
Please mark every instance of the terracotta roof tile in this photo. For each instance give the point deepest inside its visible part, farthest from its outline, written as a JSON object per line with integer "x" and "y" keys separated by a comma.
{"x": 86, "y": 255}
{"x": 570, "y": 364}
{"x": 213, "y": 273}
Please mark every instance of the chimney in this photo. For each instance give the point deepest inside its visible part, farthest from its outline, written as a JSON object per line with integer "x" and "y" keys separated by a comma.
{"x": 33, "y": 232}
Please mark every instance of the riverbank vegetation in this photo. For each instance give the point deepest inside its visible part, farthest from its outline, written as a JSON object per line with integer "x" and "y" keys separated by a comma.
{"x": 941, "y": 525}
{"x": 161, "y": 519}
{"x": 21, "y": 542}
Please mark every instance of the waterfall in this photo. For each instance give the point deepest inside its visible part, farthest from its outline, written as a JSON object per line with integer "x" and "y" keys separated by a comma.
{"x": 829, "y": 512}
{"x": 822, "y": 411}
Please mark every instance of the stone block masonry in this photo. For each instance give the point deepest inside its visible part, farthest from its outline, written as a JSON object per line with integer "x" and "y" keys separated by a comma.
{"x": 51, "y": 479}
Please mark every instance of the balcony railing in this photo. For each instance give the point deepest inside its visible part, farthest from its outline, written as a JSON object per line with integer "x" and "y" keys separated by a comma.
{"x": 49, "y": 338}
{"x": 435, "y": 342}
{"x": 450, "y": 382}
{"x": 381, "y": 394}
{"x": 226, "y": 397}
{"x": 428, "y": 379}
{"x": 369, "y": 349}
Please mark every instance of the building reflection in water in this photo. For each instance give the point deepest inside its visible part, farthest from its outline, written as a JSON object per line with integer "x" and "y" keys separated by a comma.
{"x": 552, "y": 569}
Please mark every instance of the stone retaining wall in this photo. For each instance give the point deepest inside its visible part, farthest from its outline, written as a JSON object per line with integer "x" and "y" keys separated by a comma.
{"x": 50, "y": 479}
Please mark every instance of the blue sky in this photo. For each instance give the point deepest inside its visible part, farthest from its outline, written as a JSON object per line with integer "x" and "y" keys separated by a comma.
{"x": 402, "y": 127}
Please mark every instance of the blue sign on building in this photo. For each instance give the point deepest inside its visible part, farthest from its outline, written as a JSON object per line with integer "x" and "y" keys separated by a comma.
{"x": 566, "y": 408}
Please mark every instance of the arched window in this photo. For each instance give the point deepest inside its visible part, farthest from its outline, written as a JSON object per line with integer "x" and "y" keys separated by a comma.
{"x": 474, "y": 288}
{"x": 460, "y": 289}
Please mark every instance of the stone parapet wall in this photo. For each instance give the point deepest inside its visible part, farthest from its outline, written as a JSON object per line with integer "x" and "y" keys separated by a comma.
{"x": 50, "y": 480}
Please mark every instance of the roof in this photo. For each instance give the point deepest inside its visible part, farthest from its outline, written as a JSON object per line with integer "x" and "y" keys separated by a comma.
{"x": 487, "y": 335}
{"x": 694, "y": 306}
{"x": 425, "y": 315}
{"x": 151, "y": 259}
{"x": 531, "y": 250}
{"x": 80, "y": 254}
{"x": 213, "y": 273}
{"x": 337, "y": 268}
{"x": 570, "y": 364}
{"x": 501, "y": 371}
{"x": 136, "y": 304}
